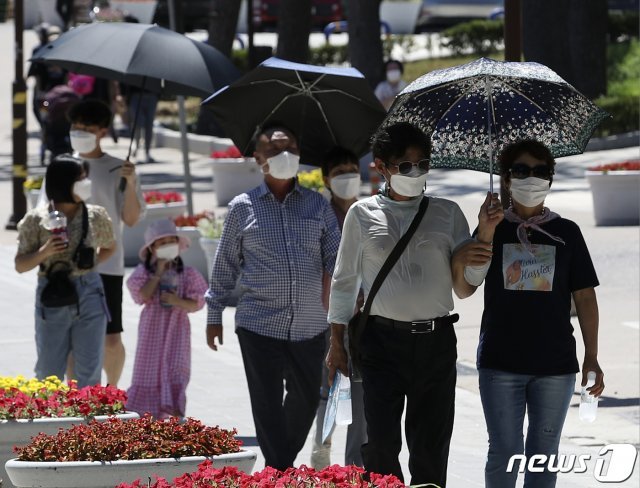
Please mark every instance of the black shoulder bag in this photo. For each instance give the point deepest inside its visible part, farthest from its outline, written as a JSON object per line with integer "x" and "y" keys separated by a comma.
{"x": 60, "y": 290}
{"x": 359, "y": 320}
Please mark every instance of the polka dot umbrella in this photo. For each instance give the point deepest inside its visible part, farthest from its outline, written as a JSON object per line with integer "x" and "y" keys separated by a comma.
{"x": 473, "y": 110}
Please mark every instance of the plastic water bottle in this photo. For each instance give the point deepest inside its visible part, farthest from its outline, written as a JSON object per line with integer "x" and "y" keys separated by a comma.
{"x": 343, "y": 412}
{"x": 588, "y": 403}
{"x": 168, "y": 282}
{"x": 58, "y": 225}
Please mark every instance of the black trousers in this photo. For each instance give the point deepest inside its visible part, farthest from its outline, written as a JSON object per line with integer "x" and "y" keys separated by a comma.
{"x": 421, "y": 368}
{"x": 271, "y": 366}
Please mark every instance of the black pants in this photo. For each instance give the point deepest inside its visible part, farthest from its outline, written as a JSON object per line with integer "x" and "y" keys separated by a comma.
{"x": 421, "y": 368}
{"x": 282, "y": 426}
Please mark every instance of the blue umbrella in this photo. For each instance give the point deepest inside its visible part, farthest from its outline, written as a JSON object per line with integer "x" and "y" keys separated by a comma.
{"x": 472, "y": 111}
{"x": 323, "y": 106}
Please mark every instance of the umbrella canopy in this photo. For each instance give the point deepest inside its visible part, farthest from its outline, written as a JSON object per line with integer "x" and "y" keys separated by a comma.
{"x": 472, "y": 111}
{"x": 148, "y": 56}
{"x": 323, "y": 106}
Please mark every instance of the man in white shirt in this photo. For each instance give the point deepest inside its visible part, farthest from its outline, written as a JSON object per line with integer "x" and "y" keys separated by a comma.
{"x": 408, "y": 347}
{"x": 90, "y": 121}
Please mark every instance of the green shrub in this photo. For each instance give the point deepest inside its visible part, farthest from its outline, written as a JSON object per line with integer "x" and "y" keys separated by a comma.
{"x": 479, "y": 36}
{"x": 625, "y": 114}
{"x": 328, "y": 54}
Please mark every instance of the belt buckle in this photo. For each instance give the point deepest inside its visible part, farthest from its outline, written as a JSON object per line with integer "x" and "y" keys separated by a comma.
{"x": 429, "y": 323}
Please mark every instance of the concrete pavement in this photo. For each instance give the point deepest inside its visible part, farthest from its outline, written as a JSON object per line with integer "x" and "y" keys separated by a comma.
{"x": 218, "y": 393}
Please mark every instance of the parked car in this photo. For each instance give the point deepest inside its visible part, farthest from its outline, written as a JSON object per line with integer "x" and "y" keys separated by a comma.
{"x": 437, "y": 14}
{"x": 265, "y": 13}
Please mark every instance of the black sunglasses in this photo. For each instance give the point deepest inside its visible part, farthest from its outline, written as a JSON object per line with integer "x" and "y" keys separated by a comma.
{"x": 520, "y": 171}
{"x": 405, "y": 167}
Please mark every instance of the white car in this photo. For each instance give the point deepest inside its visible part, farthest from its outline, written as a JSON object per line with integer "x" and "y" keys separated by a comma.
{"x": 445, "y": 13}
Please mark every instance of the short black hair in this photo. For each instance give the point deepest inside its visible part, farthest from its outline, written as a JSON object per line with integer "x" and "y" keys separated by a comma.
{"x": 63, "y": 171}
{"x": 393, "y": 141}
{"x": 336, "y": 156}
{"x": 270, "y": 124}
{"x": 537, "y": 149}
{"x": 90, "y": 112}
{"x": 395, "y": 61}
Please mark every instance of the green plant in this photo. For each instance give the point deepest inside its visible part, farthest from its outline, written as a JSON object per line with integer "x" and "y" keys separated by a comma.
{"x": 211, "y": 228}
{"x": 479, "y": 36}
{"x": 328, "y": 54}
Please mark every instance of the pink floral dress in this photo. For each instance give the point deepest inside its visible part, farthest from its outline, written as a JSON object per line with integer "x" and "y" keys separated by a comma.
{"x": 162, "y": 366}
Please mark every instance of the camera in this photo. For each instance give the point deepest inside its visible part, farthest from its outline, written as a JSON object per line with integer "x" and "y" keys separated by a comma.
{"x": 85, "y": 257}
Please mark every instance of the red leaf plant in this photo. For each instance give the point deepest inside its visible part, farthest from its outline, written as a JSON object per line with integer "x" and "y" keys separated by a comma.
{"x": 632, "y": 165}
{"x": 154, "y": 196}
{"x": 229, "y": 477}
{"x": 192, "y": 220}
{"x": 72, "y": 402}
{"x": 231, "y": 152}
{"x": 142, "y": 438}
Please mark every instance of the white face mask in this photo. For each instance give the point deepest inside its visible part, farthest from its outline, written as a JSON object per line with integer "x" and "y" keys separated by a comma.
{"x": 410, "y": 185}
{"x": 346, "y": 186}
{"x": 394, "y": 75}
{"x": 531, "y": 191}
{"x": 168, "y": 251}
{"x": 82, "y": 189}
{"x": 284, "y": 166}
{"x": 83, "y": 142}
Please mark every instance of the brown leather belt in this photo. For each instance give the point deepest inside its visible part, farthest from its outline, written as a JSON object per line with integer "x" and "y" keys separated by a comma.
{"x": 416, "y": 326}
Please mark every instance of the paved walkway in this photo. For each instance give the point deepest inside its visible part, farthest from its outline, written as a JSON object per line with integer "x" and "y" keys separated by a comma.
{"x": 218, "y": 394}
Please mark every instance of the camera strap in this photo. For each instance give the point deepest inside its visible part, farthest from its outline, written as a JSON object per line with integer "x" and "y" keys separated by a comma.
{"x": 85, "y": 230}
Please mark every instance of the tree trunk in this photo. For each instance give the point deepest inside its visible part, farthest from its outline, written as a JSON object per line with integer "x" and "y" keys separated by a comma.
{"x": 568, "y": 36}
{"x": 294, "y": 27}
{"x": 365, "y": 45}
{"x": 223, "y": 19}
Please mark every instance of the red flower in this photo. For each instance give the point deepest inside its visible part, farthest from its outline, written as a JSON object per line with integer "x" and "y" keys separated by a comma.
{"x": 632, "y": 165}
{"x": 152, "y": 197}
{"x": 232, "y": 152}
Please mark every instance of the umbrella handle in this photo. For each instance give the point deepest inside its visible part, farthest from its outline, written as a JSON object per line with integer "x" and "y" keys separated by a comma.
{"x": 123, "y": 181}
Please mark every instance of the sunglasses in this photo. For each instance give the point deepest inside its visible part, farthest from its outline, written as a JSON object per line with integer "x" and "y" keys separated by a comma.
{"x": 520, "y": 171}
{"x": 405, "y": 167}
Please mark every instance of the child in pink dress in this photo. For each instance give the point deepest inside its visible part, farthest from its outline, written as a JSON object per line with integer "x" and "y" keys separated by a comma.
{"x": 169, "y": 291}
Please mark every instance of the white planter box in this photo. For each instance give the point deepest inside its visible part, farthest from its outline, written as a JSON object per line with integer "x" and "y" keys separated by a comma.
{"x": 209, "y": 247}
{"x": 195, "y": 256}
{"x": 19, "y": 432}
{"x": 96, "y": 474}
{"x": 234, "y": 176}
{"x": 616, "y": 197}
{"x": 133, "y": 237}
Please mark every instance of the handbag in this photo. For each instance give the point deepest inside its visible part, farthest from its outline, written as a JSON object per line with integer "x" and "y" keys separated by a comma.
{"x": 59, "y": 290}
{"x": 359, "y": 320}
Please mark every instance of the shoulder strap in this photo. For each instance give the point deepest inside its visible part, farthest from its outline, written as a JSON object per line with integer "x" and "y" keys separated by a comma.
{"x": 85, "y": 229}
{"x": 393, "y": 257}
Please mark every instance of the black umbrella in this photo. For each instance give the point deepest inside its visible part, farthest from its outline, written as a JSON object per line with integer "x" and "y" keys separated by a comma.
{"x": 323, "y": 106}
{"x": 473, "y": 110}
{"x": 157, "y": 59}
{"x": 148, "y": 56}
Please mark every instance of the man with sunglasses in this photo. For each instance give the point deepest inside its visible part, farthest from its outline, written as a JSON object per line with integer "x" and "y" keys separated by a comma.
{"x": 408, "y": 346}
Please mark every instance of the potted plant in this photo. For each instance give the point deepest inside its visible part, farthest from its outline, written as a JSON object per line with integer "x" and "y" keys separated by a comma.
{"x": 103, "y": 454}
{"x": 210, "y": 231}
{"x": 330, "y": 477}
{"x": 233, "y": 174}
{"x": 31, "y": 406}
{"x": 614, "y": 188}
{"x": 160, "y": 205}
{"x": 197, "y": 255}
